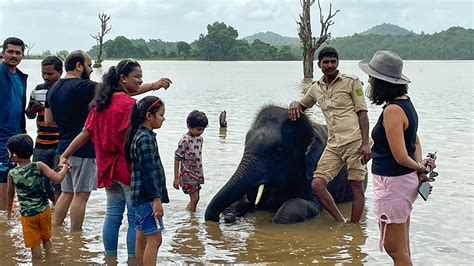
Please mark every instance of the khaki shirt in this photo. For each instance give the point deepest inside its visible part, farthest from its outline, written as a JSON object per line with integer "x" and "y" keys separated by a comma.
{"x": 339, "y": 101}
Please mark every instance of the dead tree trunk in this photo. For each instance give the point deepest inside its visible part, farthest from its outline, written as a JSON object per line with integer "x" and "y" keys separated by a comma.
{"x": 104, "y": 29}
{"x": 310, "y": 43}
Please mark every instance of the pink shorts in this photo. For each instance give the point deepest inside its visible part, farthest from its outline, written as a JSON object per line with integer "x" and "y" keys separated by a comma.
{"x": 393, "y": 199}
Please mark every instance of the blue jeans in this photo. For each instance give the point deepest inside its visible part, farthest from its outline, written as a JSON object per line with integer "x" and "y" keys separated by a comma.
{"x": 118, "y": 195}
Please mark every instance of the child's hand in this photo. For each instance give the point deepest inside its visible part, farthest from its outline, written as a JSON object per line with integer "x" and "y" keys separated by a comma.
{"x": 64, "y": 167}
{"x": 176, "y": 182}
{"x": 64, "y": 161}
{"x": 157, "y": 208}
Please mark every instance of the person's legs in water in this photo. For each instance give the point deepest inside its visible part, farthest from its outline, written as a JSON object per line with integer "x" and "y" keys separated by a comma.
{"x": 358, "y": 200}
{"x": 140, "y": 245}
{"x": 131, "y": 216}
{"x": 319, "y": 187}
{"x": 3, "y": 178}
{"x": 148, "y": 235}
{"x": 395, "y": 243}
{"x": 61, "y": 207}
{"x": 153, "y": 243}
{"x": 3, "y": 195}
{"x": 193, "y": 201}
{"x": 113, "y": 217}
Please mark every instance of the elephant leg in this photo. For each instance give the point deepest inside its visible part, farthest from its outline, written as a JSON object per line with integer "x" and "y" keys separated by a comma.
{"x": 297, "y": 210}
{"x": 237, "y": 209}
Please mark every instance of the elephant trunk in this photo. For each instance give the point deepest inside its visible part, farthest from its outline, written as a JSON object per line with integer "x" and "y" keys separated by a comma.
{"x": 244, "y": 178}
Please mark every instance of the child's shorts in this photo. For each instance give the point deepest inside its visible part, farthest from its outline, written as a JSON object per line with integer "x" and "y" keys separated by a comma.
{"x": 36, "y": 228}
{"x": 190, "y": 187}
{"x": 146, "y": 222}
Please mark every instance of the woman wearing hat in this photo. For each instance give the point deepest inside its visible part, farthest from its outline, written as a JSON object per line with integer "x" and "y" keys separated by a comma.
{"x": 397, "y": 164}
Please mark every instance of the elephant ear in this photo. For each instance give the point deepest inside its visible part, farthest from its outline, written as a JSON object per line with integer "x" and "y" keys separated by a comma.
{"x": 313, "y": 153}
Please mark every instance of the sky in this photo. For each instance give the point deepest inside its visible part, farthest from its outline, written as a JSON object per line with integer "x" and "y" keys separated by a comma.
{"x": 67, "y": 25}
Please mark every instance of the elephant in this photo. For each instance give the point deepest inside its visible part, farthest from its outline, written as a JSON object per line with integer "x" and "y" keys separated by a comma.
{"x": 276, "y": 171}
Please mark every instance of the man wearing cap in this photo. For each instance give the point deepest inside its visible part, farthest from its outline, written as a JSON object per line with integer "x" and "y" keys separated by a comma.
{"x": 342, "y": 102}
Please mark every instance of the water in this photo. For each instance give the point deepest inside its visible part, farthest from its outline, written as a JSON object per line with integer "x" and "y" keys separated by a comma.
{"x": 441, "y": 231}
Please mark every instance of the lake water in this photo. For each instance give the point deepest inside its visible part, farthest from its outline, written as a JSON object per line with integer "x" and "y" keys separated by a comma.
{"x": 441, "y": 228}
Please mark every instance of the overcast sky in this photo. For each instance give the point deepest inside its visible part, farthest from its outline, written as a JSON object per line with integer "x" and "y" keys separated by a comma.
{"x": 67, "y": 24}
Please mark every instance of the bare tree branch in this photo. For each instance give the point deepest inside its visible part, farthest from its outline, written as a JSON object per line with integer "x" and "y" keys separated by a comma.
{"x": 310, "y": 44}
{"x": 99, "y": 37}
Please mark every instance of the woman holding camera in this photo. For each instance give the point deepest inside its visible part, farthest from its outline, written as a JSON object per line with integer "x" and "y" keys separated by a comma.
{"x": 397, "y": 164}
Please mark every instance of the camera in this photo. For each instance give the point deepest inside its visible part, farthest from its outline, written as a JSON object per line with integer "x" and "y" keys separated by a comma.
{"x": 432, "y": 156}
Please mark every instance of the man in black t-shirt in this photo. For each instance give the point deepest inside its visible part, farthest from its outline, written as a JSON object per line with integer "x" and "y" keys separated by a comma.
{"x": 67, "y": 105}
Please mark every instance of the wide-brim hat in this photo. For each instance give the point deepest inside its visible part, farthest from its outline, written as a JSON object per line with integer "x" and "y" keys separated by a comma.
{"x": 385, "y": 65}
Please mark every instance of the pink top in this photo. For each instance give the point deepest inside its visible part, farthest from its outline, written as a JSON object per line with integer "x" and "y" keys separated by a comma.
{"x": 108, "y": 130}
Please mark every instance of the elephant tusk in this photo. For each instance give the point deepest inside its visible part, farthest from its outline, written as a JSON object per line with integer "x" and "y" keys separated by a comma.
{"x": 259, "y": 194}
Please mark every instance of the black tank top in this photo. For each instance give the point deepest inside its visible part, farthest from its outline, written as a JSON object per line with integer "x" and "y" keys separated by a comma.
{"x": 383, "y": 162}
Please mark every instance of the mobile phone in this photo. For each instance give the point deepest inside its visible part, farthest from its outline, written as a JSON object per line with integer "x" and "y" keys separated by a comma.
{"x": 424, "y": 190}
{"x": 39, "y": 96}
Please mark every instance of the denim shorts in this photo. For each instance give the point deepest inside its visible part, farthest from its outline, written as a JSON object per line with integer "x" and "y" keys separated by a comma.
{"x": 145, "y": 221}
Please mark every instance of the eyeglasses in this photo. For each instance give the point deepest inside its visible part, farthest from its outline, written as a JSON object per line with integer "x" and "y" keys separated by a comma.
{"x": 129, "y": 60}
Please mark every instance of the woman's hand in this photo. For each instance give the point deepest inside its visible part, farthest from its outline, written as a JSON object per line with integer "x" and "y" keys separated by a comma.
{"x": 161, "y": 83}
{"x": 428, "y": 161}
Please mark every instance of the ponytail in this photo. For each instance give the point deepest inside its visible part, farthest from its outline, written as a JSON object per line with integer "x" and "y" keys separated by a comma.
{"x": 105, "y": 90}
{"x": 137, "y": 117}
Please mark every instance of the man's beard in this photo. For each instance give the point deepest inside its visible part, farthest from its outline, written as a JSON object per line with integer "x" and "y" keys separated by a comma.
{"x": 84, "y": 74}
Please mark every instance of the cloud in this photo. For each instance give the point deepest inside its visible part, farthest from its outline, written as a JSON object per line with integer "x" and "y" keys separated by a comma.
{"x": 57, "y": 25}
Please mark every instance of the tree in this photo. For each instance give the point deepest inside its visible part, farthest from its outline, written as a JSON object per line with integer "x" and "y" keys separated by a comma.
{"x": 310, "y": 44}
{"x": 62, "y": 54}
{"x": 218, "y": 43}
{"x": 183, "y": 48}
{"x": 99, "y": 37}
{"x": 46, "y": 53}
{"x": 28, "y": 49}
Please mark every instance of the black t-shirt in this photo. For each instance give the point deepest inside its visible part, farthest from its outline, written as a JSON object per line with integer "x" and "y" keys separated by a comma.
{"x": 69, "y": 101}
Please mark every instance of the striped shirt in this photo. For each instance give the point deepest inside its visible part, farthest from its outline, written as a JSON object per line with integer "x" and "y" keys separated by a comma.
{"x": 148, "y": 175}
{"x": 48, "y": 136}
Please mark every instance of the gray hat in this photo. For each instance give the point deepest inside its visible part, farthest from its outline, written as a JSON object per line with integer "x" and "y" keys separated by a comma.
{"x": 385, "y": 65}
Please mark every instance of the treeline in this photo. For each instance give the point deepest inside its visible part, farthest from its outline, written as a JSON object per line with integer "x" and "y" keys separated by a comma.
{"x": 221, "y": 43}
{"x": 456, "y": 43}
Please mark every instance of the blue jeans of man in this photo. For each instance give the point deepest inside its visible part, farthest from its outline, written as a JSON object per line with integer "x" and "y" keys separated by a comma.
{"x": 118, "y": 195}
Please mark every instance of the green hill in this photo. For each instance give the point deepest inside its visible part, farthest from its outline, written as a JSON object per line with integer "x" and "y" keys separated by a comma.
{"x": 273, "y": 39}
{"x": 454, "y": 43}
{"x": 387, "y": 29}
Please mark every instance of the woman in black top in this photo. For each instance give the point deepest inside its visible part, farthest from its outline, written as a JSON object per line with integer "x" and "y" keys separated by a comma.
{"x": 397, "y": 164}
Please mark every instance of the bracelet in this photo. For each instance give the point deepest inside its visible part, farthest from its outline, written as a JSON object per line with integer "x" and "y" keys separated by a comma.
{"x": 420, "y": 166}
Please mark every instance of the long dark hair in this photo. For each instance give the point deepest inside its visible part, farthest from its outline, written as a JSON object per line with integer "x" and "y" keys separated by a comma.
{"x": 138, "y": 116}
{"x": 110, "y": 83}
{"x": 384, "y": 91}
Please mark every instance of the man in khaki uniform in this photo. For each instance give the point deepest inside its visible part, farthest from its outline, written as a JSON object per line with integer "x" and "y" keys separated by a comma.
{"x": 342, "y": 102}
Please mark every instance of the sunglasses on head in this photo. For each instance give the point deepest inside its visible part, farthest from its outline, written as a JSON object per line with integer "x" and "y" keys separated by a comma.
{"x": 129, "y": 60}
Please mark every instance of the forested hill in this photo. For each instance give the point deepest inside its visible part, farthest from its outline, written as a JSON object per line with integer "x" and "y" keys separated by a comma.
{"x": 273, "y": 39}
{"x": 455, "y": 43}
{"x": 387, "y": 29}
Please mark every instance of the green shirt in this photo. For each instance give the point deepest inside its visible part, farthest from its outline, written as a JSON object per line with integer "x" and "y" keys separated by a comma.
{"x": 29, "y": 185}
